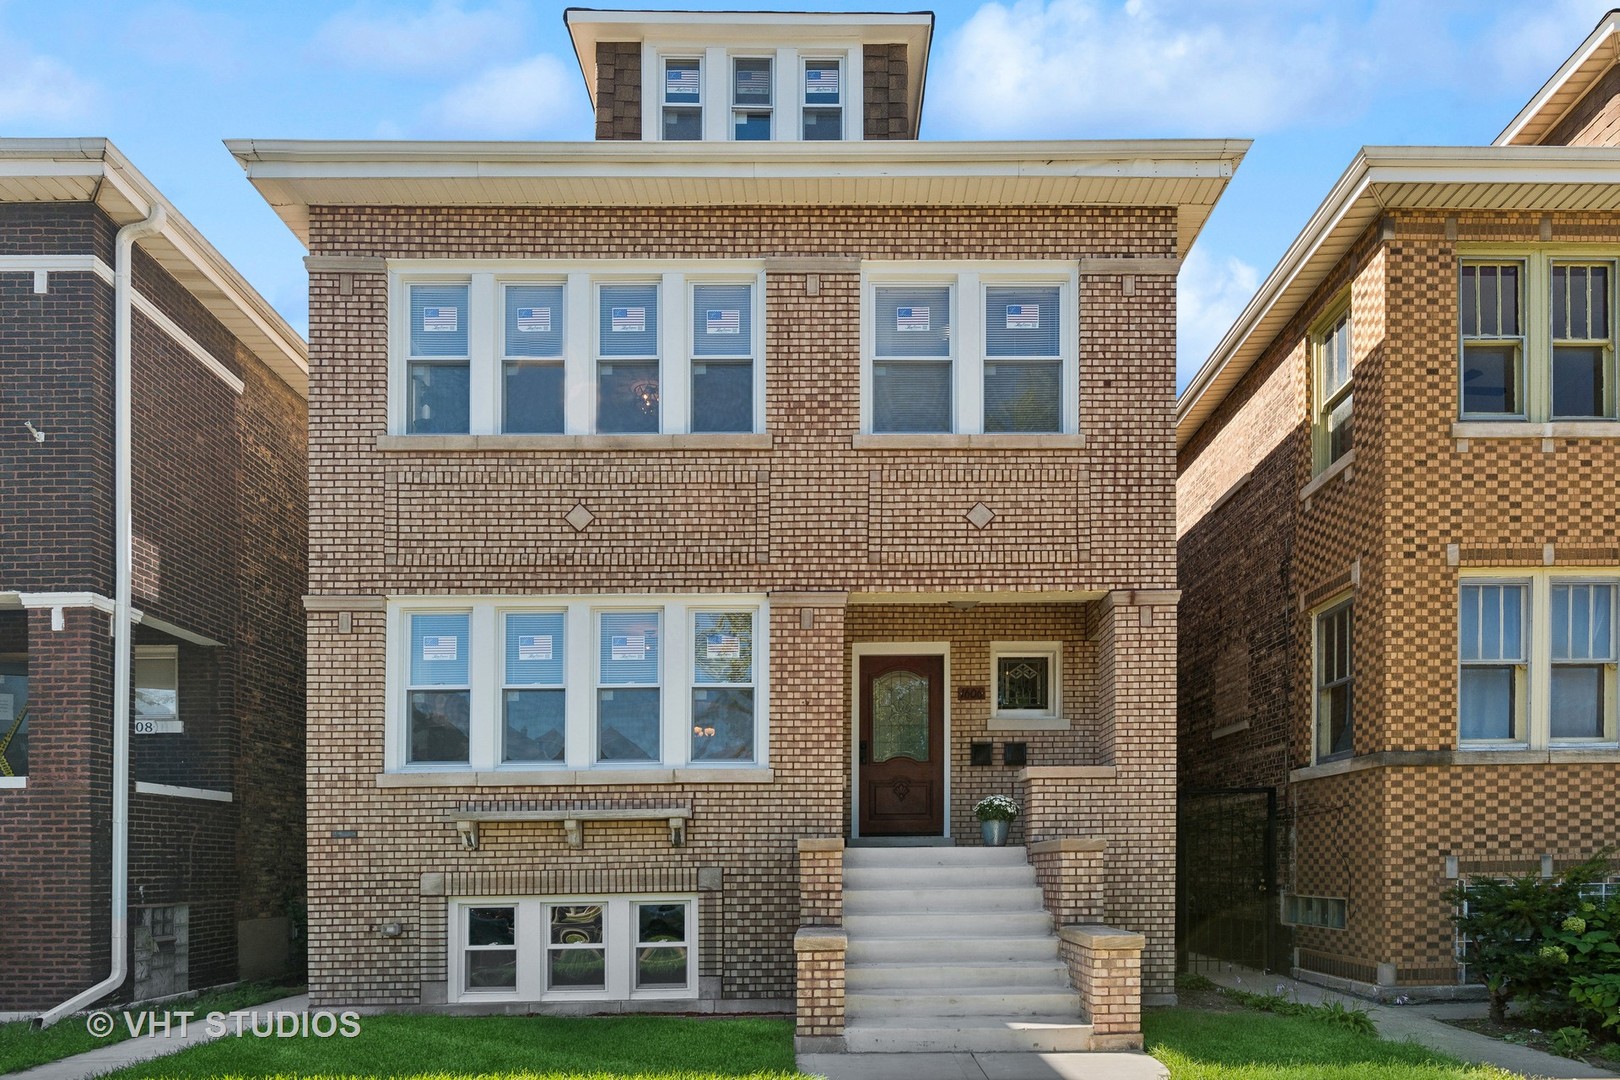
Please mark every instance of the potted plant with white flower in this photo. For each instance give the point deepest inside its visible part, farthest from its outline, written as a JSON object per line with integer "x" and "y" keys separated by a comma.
{"x": 995, "y": 814}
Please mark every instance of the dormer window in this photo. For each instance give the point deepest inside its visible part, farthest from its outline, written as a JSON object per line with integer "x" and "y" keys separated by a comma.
{"x": 751, "y": 96}
{"x": 683, "y": 98}
{"x": 823, "y": 100}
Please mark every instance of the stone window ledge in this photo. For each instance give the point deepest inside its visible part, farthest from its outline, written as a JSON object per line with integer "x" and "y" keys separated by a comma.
{"x": 1524, "y": 429}
{"x": 13, "y": 782}
{"x": 507, "y": 443}
{"x": 968, "y": 442}
{"x": 467, "y": 778}
{"x": 1572, "y": 755}
{"x": 1342, "y": 466}
{"x": 1033, "y": 723}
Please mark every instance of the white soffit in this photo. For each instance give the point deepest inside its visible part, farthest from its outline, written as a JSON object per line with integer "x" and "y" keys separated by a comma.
{"x": 1188, "y": 175}
{"x": 1472, "y": 178}
{"x": 1568, "y": 85}
{"x": 94, "y": 170}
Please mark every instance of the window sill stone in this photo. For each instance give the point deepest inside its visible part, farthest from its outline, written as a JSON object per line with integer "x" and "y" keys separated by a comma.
{"x": 1524, "y": 429}
{"x": 1032, "y": 723}
{"x": 1341, "y": 466}
{"x": 968, "y": 442}
{"x": 1507, "y": 755}
{"x": 509, "y": 443}
{"x": 468, "y": 778}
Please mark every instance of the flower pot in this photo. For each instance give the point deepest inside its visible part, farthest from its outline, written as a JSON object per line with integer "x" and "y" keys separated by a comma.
{"x": 994, "y": 832}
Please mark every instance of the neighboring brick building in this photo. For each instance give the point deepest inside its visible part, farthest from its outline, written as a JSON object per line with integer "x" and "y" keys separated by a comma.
{"x": 1408, "y": 632}
{"x": 641, "y": 468}
{"x": 216, "y": 863}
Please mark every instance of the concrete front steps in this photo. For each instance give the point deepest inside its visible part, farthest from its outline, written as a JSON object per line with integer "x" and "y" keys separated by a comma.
{"x": 950, "y": 949}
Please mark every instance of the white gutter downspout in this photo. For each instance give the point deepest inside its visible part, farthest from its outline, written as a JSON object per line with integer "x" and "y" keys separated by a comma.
{"x": 123, "y": 646}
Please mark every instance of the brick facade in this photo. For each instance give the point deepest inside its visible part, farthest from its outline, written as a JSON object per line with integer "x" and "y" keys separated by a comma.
{"x": 218, "y": 542}
{"x": 1262, "y": 546}
{"x": 810, "y": 513}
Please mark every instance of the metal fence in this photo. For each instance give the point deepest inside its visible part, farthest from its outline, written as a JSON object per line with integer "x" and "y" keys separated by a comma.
{"x": 1226, "y": 880}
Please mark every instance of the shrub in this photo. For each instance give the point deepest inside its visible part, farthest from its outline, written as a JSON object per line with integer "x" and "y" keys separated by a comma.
{"x": 1523, "y": 937}
{"x": 1599, "y": 995}
{"x": 1570, "y": 1041}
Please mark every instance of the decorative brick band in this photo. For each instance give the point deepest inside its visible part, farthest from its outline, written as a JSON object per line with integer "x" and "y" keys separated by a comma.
{"x": 821, "y": 881}
{"x": 1070, "y": 874}
{"x": 820, "y": 952}
{"x": 1106, "y": 967}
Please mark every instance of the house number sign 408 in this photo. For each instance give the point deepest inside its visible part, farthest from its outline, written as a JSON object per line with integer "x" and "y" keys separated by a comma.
{"x": 159, "y": 727}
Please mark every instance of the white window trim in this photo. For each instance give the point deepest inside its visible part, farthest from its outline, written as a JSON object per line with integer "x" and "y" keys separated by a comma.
{"x": 1536, "y": 352}
{"x": 806, "y": 56}
{"x": 1538, "y": 652}
{"x": 970, "y": 281}
{"x": 1028, "y": 719}
{"x": 732, "y": 107}
{"x": 1320, "y": 401}
{"x": 531, "y": 938}
{"x": 170, "y": 653}
{"x": 787, "y": 124}
{"x": 1348, "y": 596}
{"x": 485, "y": 671}
{"x": 582, "y": 280}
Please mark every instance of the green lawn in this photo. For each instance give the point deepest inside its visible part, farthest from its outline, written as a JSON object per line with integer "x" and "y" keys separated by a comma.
{"x": 510, "y": 1047}
{"x": 21, "y": 1047}
{"x": 1249, "y": 1045}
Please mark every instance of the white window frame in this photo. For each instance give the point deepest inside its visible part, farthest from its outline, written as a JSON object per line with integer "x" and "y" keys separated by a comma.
{"x": 756, "y": 343}
{"x": 1346, "y": 600}
{"x": 486, "y": 629}
{"x": 171, "y": 653}
{"x": 582, "y": 280}
{"x": 1294, "y": 907}
{"x": 732, "y": 105}
{"x": 1323, "y": 404}
{"x": 1028, "y": 719}
{"x": 967, "y": 355}
{"x": 504, "y": 683}
{"x": 532, "y": 934}
{"x": 844, "y": 113}
{"x": 704, "y": 97}
{"x": 1536, "y": 699}
{"x": 503, "y": 358}
{"x": 787, "y": 123}
{"x": 1535, "y": 328}
{"x": 690, "y": 663}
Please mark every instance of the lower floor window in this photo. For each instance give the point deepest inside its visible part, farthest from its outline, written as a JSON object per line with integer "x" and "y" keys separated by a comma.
{"x": 1325, "y": 911}
{"x": 562, "y": 948}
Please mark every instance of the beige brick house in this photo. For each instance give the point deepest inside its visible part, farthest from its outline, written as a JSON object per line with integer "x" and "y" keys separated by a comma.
{"x": 751, "y": 481}
{"x": 1397, "y": 519}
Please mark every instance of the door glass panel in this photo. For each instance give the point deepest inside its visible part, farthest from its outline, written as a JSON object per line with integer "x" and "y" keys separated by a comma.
{"x": 900, "y": 716}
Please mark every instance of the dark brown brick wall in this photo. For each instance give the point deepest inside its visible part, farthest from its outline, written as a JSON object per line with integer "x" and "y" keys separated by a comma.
{"x": 887, "y": 82}
{"x": 618, "y": 90}
{"x": 219, "y": 550}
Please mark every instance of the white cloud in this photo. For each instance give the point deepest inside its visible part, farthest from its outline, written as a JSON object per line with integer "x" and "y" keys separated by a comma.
{"x": 41, "y": 90}
{"x": 524, "y": 99}
{"x": 445, "y": 37}
{"x": 1084, "y": 67}
{"x": 1210, "y": 293}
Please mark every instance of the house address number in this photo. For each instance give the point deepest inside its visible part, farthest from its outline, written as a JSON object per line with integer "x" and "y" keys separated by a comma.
{"x": 160, "y": 727}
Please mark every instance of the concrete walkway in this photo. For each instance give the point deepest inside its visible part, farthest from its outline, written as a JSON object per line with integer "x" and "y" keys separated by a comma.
{"x": 1424, "y": 1024}
{"x": 1086, "y": 1066}
{"x": 105, "y": 1059}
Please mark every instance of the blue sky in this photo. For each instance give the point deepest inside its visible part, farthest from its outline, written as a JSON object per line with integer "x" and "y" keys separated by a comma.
{"x": 1308, "y": 80}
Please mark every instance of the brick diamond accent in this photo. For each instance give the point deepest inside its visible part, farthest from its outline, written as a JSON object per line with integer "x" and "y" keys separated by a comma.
{"x": 579, "y": 517}
{"x": 980, "y": 515}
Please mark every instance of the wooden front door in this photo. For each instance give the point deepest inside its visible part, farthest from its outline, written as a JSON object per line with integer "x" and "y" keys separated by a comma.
{"x": 902, "y": 746}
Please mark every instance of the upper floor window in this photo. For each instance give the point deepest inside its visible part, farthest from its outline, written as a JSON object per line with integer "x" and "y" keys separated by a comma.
{"x": 1331, "y": 415}
{"x": 752, "y": 95}
{"x": 1335, "y": 673}
{"x": 1537, "y": 661}
{"x": 580, "y": 353}
{"x": 579, "y": 684}
{"x": 1537, "y": 337}
{"x": 751, "y": 92}
{"x": 970, "y": 353}
{"x": 683, "y": 98}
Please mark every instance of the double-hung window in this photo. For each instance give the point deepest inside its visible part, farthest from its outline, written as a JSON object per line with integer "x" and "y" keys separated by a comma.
{"x": 440, "y": 358}
{"x": 1538, "y": 660}
{"x": 752, "y": 92}
{"x": 683, "y": 98}
{"x": 1537, "y": 337}
{"x": 1335, "y": 674}
{"x": 579, "y": 948}
{"x": 577, "y": 683}
{"x": 970, "y": 353}
{"x": 823, "y": 116}
{"x": 1331, "y": 415}
{"x": 579, "y": 348}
